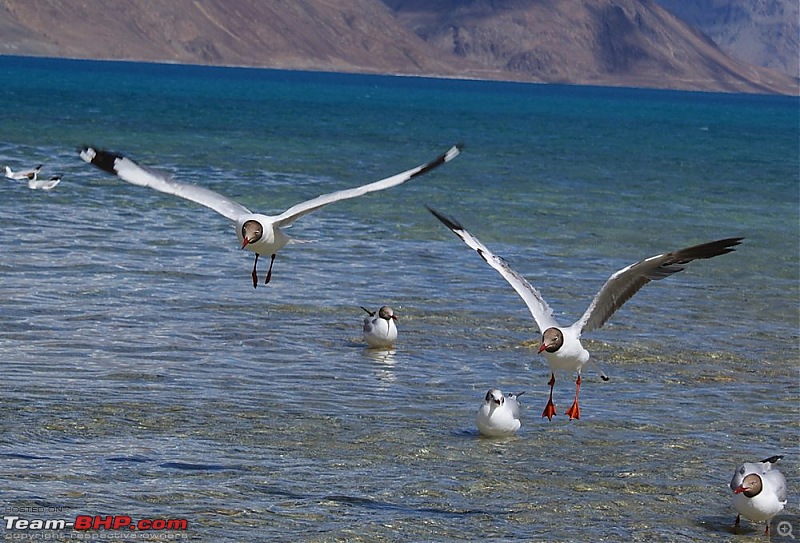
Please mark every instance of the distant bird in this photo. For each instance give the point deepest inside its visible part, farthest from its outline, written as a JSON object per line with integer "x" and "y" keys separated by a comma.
{"x": 44, "y": 184}
{"x": 261, "y": 234}
{"x": 562, "y": 346}
{"x": 380, "y": 330}
{"x": 27, "y": 174}
{"x": 759, "y": 492}
{"x": 498, "y": 416}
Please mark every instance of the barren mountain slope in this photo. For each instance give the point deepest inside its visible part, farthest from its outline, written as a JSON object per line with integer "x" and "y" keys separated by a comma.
{"x": 761, "y": 32}
{"x": 601, "y": 42}
{"x": 592, "y": 41}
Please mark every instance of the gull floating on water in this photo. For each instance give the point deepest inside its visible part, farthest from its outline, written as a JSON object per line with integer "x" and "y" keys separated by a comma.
{"x": 498, "y": 416}
{"x": 43, "y": 184}
{"x": 759, "y": 492}
{"x": 27, "y": 174}
{"x": 380, "y": 330}
{"x": 561, "y": 346}
{"x": 261, "y": 234}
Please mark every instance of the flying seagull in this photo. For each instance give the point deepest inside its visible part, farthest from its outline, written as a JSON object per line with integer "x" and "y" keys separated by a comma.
{"x": 561, "y": 346}
{"x": 261, "y": 234}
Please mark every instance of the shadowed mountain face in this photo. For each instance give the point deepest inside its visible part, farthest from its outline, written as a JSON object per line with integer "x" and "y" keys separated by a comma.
{"x": 761, "y": 32}
{"x": 601, "y": 42}
{"x": 592, "y": 42}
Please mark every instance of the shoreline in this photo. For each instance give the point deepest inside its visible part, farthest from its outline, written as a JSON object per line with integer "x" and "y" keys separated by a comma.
{"x": 705, "y": 87}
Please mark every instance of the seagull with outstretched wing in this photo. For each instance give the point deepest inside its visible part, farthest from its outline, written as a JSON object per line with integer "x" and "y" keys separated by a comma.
{"x": 561, "y": 346}
{"x": 259, "y": 233}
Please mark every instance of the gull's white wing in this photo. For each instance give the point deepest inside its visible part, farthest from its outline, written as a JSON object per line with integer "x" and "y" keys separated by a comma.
{"x": 515, "y": 403}
{"x": 622, "y": 285}
{"x": 778, "y": 483}
{"x": 128, "y": 170}
{"x": 295, "y": 212}
{"x": 776, "y": 479}
{"x": 541, "y": 312}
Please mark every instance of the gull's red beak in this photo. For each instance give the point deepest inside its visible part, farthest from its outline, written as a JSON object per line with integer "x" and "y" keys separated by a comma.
{"x": 245, "y": 242}
{"x": 739, "y": 490}
{"x": 542, "y": 347}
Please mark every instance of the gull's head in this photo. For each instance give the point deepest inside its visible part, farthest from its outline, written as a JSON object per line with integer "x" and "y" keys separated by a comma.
{"x": 552, "y": 340}
{"x": 751, "y": 486}
{"x": 386, "y": 313}
{"x": 494, "y": 397}
{"x": 251, "y": 232}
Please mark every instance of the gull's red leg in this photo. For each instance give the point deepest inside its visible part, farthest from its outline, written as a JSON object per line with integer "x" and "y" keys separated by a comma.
{"x": 550, "y": 408}
{"x": 255, "y": 273}
{"x": 269, "y": 272}
{"x": 574, "y": 412}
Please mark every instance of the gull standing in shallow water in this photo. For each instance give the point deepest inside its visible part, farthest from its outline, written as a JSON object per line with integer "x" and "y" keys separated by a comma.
{"x": 499, "y": 415}
{"x": 561, "y": 346}
{"x": 261, "y": 234}
{"x": 380, "y": 330}
{"x": 759, "y": 492}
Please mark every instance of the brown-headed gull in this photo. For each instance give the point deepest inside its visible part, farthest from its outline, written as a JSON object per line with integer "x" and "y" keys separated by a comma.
{"x": 759, "y": 491}
{"x": 261, "y": 234}
{"x": 498, "y": 416}
{"x": 561, "y": 346}
{"x": 27, "y": 174}
{"x": 380, "y": 330}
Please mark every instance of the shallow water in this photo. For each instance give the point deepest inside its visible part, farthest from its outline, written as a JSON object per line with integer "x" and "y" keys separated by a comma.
{"x": 144, "y": 376}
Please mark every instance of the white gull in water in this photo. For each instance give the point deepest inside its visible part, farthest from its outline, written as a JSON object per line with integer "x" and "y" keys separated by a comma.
{"x": 44, "y": 184}
{"x": 561, "y": 346}
{"x": 261, "y": 234}
{"x": 27, "y": 174}
{"x": 759, "y": 491}
{"x": 379, "y": 329}
{"x": 498, "y": 416}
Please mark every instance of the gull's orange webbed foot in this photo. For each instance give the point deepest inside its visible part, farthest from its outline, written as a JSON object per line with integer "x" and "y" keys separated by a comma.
{"x": 549, "y": 410}
{"x": 574, "y": 412}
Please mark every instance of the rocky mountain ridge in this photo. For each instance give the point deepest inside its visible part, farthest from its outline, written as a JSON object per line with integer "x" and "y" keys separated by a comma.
{"x": 598, "y": 42}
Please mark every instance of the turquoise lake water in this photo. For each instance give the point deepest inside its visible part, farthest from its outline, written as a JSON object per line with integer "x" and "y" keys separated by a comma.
{"x": 144, "y": 376}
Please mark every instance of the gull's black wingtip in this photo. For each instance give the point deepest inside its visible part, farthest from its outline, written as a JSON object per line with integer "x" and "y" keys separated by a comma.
{"x": 722, "y": 247}
{"x": 100, "y": 158}
{"x": 731, "y": 242}
{"x": 445, "y": 157}
{"x": 772, "y": 459}
{"x": 449, "y": 222}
